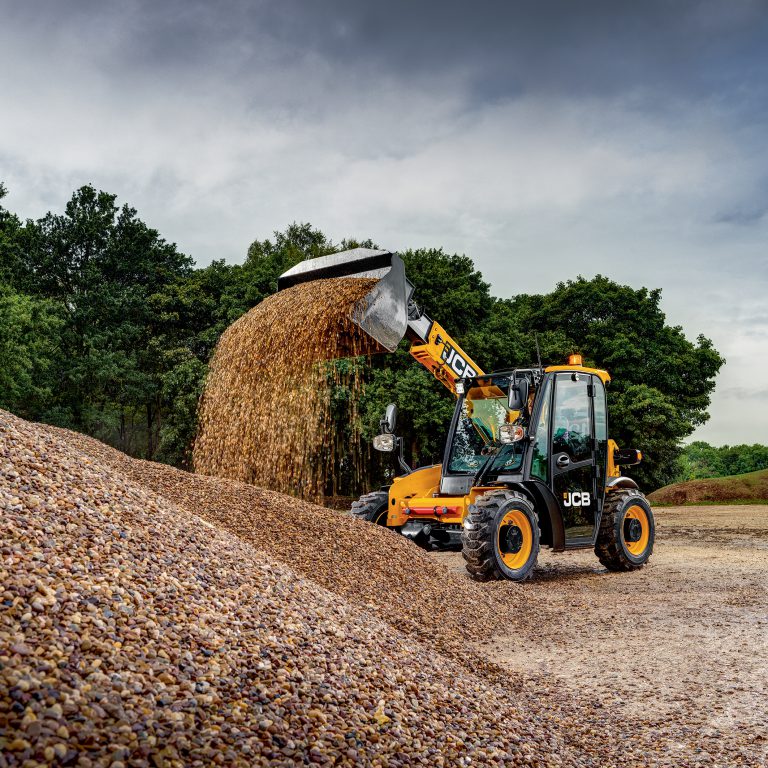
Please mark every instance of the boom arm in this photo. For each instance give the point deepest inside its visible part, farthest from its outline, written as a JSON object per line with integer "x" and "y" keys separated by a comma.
{"x": 437, "y": 351}
{"x": 388, "y": 313}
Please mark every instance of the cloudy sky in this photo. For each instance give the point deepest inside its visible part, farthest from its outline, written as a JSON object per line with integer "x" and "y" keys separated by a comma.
{"x": 543, "y": 139}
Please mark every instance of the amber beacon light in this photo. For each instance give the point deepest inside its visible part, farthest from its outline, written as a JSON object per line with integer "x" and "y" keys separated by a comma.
{"x": 574, "y": 360}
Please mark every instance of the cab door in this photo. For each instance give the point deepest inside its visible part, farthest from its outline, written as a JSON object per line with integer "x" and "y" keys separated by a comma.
{"x": 573, "y": 457}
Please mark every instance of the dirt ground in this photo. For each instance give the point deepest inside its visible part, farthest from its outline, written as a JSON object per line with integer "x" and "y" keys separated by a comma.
{"x": 683, "y": 639}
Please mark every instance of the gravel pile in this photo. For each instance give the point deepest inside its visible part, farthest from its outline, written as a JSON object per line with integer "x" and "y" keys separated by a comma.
{"x": 749, "y": 488}
{"x": 368, "y": 564}
{"x": 134, "y": 634}
{"x": 135, "y": 630}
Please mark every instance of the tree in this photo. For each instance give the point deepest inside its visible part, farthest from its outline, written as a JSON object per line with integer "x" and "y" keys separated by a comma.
{"x": 191, "y": 313}
{"x": 107, "y": 328}
{"x": 12, "y": 271}
{"x": 101, "y": 264}
{"x": 701, "y": 460}
{"x": 29, "y": 353}
{"x": 661, "y": 382}
{"x": 268, "y": 259}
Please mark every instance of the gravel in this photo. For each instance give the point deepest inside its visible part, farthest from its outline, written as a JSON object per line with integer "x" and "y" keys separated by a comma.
{"x": 151, "y": 617}
{"x": 133, "y": 633}
{"x": 370, "y": 565}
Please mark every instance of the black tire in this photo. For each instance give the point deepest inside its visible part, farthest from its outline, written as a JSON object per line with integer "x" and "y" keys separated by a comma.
{"x": 615, "y": 550}
{"x": 483, "y": 542}
{"x": 372, "y": 507}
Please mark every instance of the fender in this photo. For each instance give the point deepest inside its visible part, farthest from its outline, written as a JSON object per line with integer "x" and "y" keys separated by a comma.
{"x": 552, "y": 528}
{"x": 413, "y": 472}
{"x": 622, "y": 482}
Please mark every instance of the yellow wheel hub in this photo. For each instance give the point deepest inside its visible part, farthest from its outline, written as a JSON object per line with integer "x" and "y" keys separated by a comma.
{"x": 514, "y": 539}
{"x": 636, "y": 530}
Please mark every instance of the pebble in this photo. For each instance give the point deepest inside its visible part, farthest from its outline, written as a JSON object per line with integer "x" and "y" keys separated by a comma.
{"x": 333, "y": 642}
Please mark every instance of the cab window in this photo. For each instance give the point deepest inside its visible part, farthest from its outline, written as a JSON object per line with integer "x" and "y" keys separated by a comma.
{"x": 572, "y": 428}
{"x": 540, "y": 460}
{"x": 477, "y": 428}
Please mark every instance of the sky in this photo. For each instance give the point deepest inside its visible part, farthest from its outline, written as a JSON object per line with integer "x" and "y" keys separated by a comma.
{"x": 545, "y": 140}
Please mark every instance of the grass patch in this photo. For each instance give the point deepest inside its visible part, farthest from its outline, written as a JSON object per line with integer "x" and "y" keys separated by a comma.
{"x": 749, "y": 488}
{"x": 730, "y": 503}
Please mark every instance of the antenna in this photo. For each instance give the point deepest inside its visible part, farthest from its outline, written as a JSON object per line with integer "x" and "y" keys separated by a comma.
{"x": 538, "y": 351}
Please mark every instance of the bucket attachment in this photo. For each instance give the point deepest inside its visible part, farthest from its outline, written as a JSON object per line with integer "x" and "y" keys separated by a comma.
{"x": 383, "y": 312}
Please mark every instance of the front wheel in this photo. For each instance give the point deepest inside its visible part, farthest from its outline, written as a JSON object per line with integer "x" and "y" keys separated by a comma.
{"x": 372, "y": 507}
{"x": 500, "y": 539}
{"x": 627, "y": 531}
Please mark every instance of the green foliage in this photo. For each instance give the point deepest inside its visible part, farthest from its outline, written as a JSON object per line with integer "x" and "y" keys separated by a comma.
{"x": 29, "y": 358}
{"x": 11, "y": 246}
{"x": 182, "y": 384}
{"x": 99, "y": 264}
{"x": 424, "y": 407}
{"x": 700, "y": 460}
{"x": 107, "y": 328}
{"x": 448, "y": 288}
{"x": 268, "y": 259}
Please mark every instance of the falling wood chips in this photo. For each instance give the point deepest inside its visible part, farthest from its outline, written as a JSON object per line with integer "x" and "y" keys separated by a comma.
{"x": 265, "y": 416}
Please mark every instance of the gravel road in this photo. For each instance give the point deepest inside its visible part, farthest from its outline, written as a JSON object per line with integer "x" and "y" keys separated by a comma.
{"x": 684, "y": 640}
{"x": 153, "y": 618}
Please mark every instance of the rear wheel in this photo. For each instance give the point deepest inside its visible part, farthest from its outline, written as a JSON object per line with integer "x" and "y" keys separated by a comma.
{"x": 627, "y": 531}
{"x": 372, "y": 507}
{"x": 500, "y": 539}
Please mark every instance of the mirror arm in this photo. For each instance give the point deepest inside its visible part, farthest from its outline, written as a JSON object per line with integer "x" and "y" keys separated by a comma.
{"x": 401, "y": 456}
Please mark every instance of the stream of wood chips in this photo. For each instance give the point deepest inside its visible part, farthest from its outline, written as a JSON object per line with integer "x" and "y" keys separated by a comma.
{"x": 265, "y": 415}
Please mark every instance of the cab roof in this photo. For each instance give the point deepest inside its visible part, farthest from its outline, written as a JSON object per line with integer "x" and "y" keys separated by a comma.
{"x": 605, "y": 377}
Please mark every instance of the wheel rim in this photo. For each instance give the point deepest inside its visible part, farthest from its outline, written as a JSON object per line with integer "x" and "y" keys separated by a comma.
{"x": 514, "y": 539}
{"x": 636, "y": 530}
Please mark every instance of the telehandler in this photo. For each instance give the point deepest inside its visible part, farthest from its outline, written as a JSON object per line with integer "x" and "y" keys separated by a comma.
{"x": 527, "y": 462}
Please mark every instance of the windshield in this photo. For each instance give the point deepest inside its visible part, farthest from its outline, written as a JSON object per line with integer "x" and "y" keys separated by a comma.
{"x": 476, "y": 438}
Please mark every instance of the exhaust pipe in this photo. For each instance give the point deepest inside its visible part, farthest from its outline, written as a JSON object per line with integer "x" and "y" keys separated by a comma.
{"x": 383, "y": 312}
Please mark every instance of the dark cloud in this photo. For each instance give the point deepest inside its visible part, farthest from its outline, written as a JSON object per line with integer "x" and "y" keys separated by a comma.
{"x": 745, "y": 216}
{"x": 544, "y": 139}
{"x": 492, "y": 50}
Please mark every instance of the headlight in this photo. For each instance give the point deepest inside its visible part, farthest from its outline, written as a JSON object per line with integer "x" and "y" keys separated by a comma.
{"x": 384, "y": 443}
{"x": 511, "y": 433}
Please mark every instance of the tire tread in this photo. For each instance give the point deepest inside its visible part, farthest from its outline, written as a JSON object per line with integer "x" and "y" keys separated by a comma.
{"x": 369, "y": 505}
{"x": 477, "y": 535}
{"x": 608, "y": 546}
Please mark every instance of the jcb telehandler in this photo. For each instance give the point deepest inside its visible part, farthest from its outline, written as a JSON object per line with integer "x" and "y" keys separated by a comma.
{"x": 527, "y": 462}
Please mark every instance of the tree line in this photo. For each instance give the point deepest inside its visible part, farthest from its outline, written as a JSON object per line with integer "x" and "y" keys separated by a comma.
{"x": 106, "y": 328}
{"x": 700, "y": 460}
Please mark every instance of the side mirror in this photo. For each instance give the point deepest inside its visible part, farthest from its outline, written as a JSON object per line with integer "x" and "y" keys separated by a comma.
{"x": 389, "y": 422}
{"x": 518, "y": 395}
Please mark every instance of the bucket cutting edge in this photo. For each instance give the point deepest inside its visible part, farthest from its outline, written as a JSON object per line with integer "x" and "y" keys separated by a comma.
{"x": 383, "y": 312}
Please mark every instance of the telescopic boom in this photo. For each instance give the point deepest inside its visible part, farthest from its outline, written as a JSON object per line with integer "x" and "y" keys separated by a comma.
{"x": 388, "y": 312}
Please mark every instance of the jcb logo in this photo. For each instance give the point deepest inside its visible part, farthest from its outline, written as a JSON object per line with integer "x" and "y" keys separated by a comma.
{"x": 456, "y": 362}
{"x": 577, "y": 499}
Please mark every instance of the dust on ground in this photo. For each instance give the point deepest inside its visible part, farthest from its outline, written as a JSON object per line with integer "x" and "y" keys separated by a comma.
{"x": 684, "y": 639}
